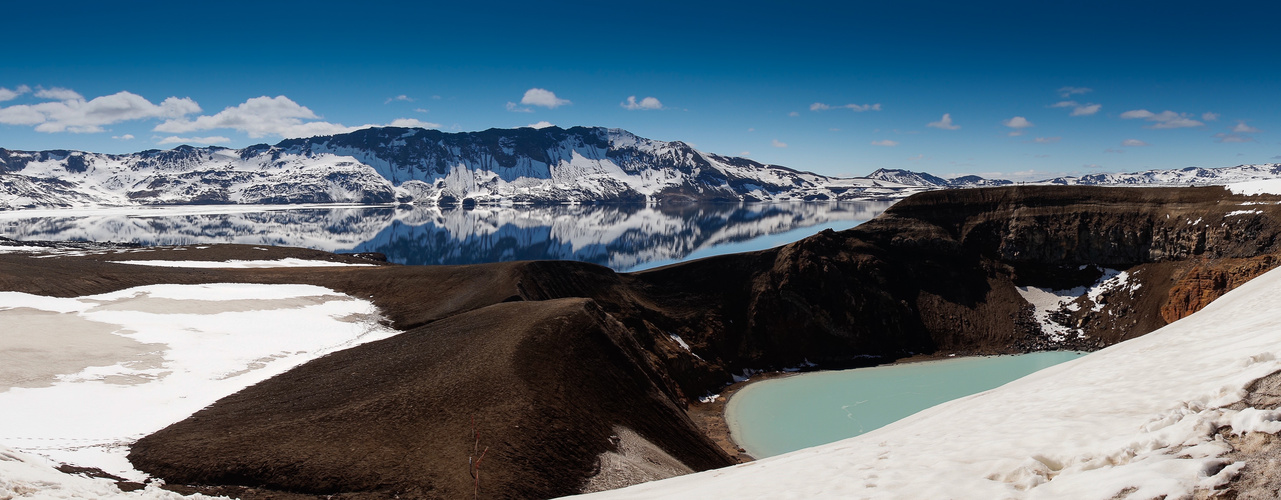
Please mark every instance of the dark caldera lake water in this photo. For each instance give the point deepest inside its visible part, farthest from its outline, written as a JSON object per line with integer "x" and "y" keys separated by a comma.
{"x": 623, "y": 237}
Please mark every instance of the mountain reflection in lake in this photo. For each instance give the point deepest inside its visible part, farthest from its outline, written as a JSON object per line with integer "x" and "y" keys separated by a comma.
{"x": 623, "y": 237}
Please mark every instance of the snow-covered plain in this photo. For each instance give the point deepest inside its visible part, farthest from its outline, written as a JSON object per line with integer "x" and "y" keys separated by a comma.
{"x": 1254, "y": 187}
{"x": 82, "y": 378}
{"x": 1139, "y": 417}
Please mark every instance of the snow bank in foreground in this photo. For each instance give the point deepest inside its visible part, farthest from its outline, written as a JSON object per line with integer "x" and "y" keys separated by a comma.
{"x": 25, "y": 476}
{"x": 241, "y": 264}
{"x": 1139, "y": 417}
{"x": 82, "y": 378}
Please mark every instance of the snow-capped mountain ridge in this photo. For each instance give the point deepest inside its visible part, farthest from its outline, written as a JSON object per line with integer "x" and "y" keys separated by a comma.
{"x": 1177, "y": 177}
{"x": 388, "y": 165}
{"x": 495, "y": 166}
{"x": 1187, "y": 176}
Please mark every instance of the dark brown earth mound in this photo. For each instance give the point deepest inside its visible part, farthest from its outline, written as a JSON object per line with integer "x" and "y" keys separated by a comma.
{"x": 544, "y": 382}
{"x": 552, "y": 358}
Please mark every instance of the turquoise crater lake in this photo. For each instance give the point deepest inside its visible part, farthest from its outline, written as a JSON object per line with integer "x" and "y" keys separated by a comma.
{"x": 781, "y": 415}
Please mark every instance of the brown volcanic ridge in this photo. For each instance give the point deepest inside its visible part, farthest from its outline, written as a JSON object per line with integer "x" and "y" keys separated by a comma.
{"x": 564, "y": 367}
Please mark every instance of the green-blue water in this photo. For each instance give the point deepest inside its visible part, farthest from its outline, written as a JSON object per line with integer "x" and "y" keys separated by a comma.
{"x": 777, "y": 416}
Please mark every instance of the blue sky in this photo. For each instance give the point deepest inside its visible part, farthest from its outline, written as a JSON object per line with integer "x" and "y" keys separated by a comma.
{"x": 1032, "y": 89}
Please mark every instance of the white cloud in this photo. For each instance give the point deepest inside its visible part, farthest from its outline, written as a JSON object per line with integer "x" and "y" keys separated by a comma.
{"x": 777, "y": 143}
{"x": 542, "y": 124}
{"x": 1165, "y": 120}
{"x": 1047, "y": 140}
{"x": 436, "y": 97}
{"x": 917, "y": 157}
{"x": 1222, "y": 137}
{"x": 1070, "y": 91}
{"x": 1078, "y": 109}
{"x": 74, "y": 114}
{"x": 58, "y": 94}
{"x": 126, "y": 137}
{"x": 858, "y": 108}
{"x": 1242, "y": 128}
{"x": 644, "y": 104}
{"x": 173, "y": 139}
{"x": 1137, "y": 113}
{"x": 1209, "y": 116}
{"x": 944, "y": 123}
{"x": 259, "y": 117}
{"x": 515, "y": 108}
{"x": 422, "y": 110}
{"x": 273, "y": 116}
{"x": 544, "y": 98}
{"x": 412, "y": 123}
{"x": 745, "y": 153}
{"x": 9, "y": 95}
{"x": 1086, "y": 110}
{"x": 401, "y": 97}
{"x": 794, "y": 113}
{"x": 885, "y": 142}
{"x": 1133, "y": 143}
{"x": 1017, "y": 122}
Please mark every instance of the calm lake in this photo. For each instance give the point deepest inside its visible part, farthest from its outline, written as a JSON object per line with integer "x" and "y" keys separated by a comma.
{"x": 777, "y": 416}
{"x": 623, "y": 237}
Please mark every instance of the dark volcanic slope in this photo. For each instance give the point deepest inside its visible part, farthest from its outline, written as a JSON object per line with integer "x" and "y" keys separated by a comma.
{"x": 552, "y": 357}
{"x": 544, "y": 381}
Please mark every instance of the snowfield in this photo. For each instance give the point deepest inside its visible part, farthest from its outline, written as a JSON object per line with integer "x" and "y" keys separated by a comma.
{"x": 82, "y": 378}
{"x": 1139, "y": 417}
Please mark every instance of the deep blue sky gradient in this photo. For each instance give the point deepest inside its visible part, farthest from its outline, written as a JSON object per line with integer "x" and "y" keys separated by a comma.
{"x": 730, "y": 75}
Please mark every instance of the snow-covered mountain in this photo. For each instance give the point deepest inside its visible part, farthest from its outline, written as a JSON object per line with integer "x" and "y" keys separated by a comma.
{"x": 1190, "y": 176}
{"x": 922, "y": 179}
{"x": 1177, "y": 177}
{"x": 495, "y": 166}
{"x": 408, "y": 165}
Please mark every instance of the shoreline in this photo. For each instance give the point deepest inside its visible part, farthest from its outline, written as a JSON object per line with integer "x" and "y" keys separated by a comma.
{"x": 712, "y": 418}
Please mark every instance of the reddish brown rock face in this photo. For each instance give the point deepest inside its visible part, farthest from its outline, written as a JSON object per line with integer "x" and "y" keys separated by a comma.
{"x": 1210, "y": 280}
